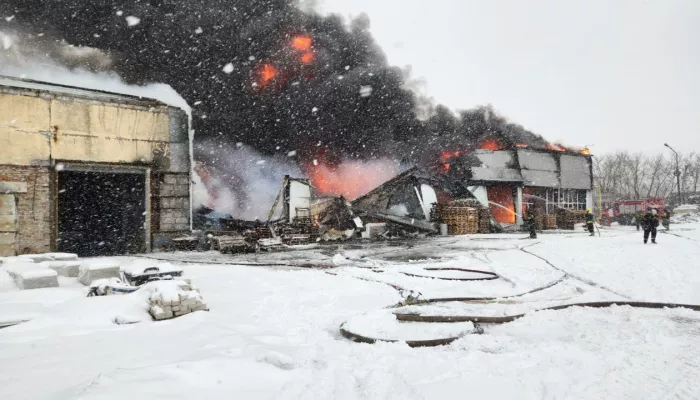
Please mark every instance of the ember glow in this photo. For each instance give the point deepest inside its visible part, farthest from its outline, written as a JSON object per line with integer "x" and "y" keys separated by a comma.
{"x": 445, "y": 157}
{"x": 301, "y": 43}
{"x": 307, "y": 58}
{"x": 350, "y": 179}
{"x": 554, "y": 147}
{"x": 491, "y": 144}
{"x": 522, "y": 146}
{"x": 268, "y": 72}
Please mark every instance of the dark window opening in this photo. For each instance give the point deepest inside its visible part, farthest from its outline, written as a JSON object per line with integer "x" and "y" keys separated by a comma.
{"x": 101, "y": 213}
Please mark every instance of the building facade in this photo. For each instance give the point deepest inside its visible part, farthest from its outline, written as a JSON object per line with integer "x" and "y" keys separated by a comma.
{"x": 90, "y": 172}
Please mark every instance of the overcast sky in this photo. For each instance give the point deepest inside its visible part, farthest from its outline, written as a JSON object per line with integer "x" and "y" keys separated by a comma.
{"x": 617, "y": 74}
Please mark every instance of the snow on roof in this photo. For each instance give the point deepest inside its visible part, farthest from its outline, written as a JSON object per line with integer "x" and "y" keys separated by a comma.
{"x": 136, "y": 95}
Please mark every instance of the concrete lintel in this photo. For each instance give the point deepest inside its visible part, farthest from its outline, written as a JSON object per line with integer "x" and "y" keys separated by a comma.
{"x": 13, "y": 187}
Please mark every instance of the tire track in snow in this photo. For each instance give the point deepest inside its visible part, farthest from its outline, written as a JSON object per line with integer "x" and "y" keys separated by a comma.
{"x": 567, "y": 273}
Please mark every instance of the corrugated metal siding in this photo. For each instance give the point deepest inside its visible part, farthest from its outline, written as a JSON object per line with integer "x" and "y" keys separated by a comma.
{"x": 575, "y": 172}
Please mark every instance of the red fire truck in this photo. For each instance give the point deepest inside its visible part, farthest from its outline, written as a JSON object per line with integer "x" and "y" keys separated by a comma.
{"x": 624, "y": 211}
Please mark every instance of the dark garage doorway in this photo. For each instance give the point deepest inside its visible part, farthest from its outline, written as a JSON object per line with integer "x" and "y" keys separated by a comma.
{"x": 101, "y": 213}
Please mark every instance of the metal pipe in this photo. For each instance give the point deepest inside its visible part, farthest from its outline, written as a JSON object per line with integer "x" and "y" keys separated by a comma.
{"x": 677, "y": 173}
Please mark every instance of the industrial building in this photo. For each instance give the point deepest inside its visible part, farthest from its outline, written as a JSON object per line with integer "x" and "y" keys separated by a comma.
{"x": 508, "y": 182}
{"x": 90, "y": 172}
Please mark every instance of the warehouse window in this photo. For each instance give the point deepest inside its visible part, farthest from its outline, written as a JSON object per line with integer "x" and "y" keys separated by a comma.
{"x": 569, "y": 199}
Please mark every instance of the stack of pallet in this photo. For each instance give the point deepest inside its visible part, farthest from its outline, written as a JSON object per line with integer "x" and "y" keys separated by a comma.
{"x": 460, "y": 219}
{"x": 550, "y": 221}
{"x": 567, "y": 219}
{"x": 262, "y": 232}
{"x": 539, "y": 222}
{"x": 484, "y": 220}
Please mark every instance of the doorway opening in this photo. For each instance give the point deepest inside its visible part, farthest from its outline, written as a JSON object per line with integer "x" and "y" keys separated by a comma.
{"x": 101, "y": 213}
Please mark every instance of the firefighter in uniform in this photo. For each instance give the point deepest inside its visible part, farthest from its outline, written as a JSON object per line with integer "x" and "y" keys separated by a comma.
{"x": 590, "y": 220}
{"x": 531, "y": 224}
{"x": 650, "y": 221}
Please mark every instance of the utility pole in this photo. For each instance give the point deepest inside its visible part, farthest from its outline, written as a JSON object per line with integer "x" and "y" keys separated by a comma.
{"x": 677, "y": 173}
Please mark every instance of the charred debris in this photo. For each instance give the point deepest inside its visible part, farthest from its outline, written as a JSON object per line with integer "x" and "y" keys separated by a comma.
{"x": 480, "y": 191}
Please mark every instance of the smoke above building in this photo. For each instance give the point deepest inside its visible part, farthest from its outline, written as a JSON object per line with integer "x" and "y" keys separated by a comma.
{"x": 266, "y": 74}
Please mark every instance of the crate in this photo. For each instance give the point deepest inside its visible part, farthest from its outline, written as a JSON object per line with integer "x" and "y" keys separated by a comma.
{"x": 550, "y": 221}
{"x": 567, "y": 219}
{"x": 462, "y": 228}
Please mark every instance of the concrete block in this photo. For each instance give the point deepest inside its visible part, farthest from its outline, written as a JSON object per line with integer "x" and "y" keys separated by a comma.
{"x": 69, "y": 269}
{"x": 13, "y": 187}
{"x": 170, "y": 179}
{"x": 91, "y": 271}
{"x": 181, "y": 190}
{"x": 36, "y": 279}
{"x": 7, "y": 238}
{"x": 8, "y": 223}
{"x": 7, "y": 204}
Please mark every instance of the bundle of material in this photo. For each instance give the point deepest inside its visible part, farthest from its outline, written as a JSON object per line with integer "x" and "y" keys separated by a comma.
{"x": 461, "y": 219}
{"x": 484, "y": 220}
{"x": 550, "y": 221}
{"x": 567, "y": 219}
{"x": 174, "y": 298}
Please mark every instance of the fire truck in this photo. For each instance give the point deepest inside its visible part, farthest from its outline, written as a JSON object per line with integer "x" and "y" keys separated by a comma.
{"x": 624, "y": 211}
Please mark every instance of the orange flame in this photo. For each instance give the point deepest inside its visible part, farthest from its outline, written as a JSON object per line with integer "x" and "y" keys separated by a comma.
{"x": 301, "y": 43}
{"x": 350, "y": 179}
{"x": 267, "y": 73}
{"x": 491, "y": 144}
{"x": 521, "y": 146}
{"x": 307, "y": 58}
{"x": 446, "y": 155}
{"x": 554, "y": 147}
{"x": 585, "y": 151}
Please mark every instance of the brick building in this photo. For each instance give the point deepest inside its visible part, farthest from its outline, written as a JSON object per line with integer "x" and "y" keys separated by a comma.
{"x": 90, "y": 172}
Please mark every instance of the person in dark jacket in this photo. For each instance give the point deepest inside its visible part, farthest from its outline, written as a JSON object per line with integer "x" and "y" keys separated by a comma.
{"x": 590, "y": 220}
{"x": 531, "y": 224}
{"x": 650, "y": 221}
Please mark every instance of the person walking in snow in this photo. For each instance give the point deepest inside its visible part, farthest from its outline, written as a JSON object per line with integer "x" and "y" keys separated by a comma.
{"x": 650, "y": 221}
{"x": 590, "y": 220}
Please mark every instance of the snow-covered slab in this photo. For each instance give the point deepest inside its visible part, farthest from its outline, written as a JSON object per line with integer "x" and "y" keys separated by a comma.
{"x": 69, "y": 269}
{"x": 139, "y": 267}
{"x": 36, "y": 278}
{"x": 98, "y": 269}
{"x": 61, "y": 256}
{"x": 383, "y": 325}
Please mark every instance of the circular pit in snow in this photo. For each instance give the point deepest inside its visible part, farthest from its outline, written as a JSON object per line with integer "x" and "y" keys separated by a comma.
{"x": 382, "y": 326}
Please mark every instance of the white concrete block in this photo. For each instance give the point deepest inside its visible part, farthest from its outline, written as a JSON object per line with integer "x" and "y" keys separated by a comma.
{"x": 61, "y": 256}
{"x": 91, "y": 271}
{"x": 68, "y": 269}
{"x": 36, "y": 278}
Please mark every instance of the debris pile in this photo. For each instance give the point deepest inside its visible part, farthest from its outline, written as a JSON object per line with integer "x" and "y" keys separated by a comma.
{"x": 170, "y": 299}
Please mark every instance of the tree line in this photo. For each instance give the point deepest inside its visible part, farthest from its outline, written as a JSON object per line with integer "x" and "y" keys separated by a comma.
{"x": 626, "y": 175}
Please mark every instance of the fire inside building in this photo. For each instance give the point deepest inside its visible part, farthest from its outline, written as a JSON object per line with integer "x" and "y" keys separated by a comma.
{"x": 90, "y": 172}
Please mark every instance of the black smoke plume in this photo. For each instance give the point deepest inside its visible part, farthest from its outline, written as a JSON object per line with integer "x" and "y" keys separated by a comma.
{"x": 343, "y": 99}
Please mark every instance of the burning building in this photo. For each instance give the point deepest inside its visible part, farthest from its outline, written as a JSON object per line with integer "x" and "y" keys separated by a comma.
{"x": 511, "y": 180}
{"x": 90, "y": 172}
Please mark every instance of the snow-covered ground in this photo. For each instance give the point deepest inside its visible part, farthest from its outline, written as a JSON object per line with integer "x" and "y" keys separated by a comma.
{"x": 272, "y": 332}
